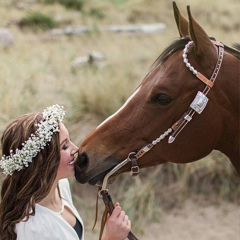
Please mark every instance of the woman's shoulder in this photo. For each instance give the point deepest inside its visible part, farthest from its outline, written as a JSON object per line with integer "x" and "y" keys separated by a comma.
{"x": 64, "y": 183}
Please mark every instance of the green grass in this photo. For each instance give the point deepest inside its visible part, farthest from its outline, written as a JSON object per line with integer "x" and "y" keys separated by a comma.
{"x": 69, "y": 4}
{"x": 38, "y": 20}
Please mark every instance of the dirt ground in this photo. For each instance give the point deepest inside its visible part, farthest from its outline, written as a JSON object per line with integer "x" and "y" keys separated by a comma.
{"x": 197, "y": 222}
{"x": 192, "y": 222}
{"x": 196, "y": 219}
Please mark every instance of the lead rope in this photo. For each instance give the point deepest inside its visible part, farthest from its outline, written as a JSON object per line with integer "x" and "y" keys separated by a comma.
{"x": 103, "y": 222}
{"x": 104, "y": 217}
{"x": 96, "y": 213}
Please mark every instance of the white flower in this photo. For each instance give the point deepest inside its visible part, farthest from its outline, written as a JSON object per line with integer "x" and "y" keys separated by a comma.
{"x": 52, "y": 116}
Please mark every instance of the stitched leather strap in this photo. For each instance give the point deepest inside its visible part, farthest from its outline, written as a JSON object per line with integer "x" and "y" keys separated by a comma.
{"x": 204, "y": 80}
{"x": 183, "y": 121}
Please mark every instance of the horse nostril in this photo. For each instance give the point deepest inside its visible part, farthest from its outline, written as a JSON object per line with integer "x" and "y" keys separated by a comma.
{"x": 82, "y": 162}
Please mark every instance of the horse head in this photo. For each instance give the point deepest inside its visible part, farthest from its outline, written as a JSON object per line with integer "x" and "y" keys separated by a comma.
{"x": 158, "y": 107}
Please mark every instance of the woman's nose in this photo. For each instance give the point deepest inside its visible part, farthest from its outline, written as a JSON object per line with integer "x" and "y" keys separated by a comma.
{"x": 74, "y": 149}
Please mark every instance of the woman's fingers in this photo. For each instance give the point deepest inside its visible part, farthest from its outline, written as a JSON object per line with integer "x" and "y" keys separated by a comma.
{"x": 116, "y": 212}
{"x": 122, "y": 216}
{"x": 118, "y": 224}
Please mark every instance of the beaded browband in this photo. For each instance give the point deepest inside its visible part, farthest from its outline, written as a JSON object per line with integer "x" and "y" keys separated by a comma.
{"x": 49, "y": 125}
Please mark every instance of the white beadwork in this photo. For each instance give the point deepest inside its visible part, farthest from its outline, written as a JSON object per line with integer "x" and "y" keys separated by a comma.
{"x": 185, "y": 60}
{"x": 45, "y": 129}
{"x": 162, "y": 136}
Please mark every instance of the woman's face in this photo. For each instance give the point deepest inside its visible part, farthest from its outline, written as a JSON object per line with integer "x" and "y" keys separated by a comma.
{"x": 67, "y": 152}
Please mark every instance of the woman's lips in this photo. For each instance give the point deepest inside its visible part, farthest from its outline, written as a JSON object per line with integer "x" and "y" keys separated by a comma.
{"x": 72, "y": 162}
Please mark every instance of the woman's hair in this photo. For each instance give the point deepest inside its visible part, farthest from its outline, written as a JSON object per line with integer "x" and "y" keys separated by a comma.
{"x": 23, "y": 189}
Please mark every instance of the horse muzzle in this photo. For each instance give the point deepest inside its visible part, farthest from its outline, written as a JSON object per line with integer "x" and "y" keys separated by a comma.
{"x": 85, "y": 172}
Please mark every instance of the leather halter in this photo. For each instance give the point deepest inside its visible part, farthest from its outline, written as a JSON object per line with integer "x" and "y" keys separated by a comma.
{"x": 198, "y": 105}
{"x": 187, "y": 116}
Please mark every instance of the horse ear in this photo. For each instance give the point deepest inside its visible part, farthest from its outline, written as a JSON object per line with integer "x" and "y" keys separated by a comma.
{"x": 182, "y": 22}
{"x": 200, "y": 38}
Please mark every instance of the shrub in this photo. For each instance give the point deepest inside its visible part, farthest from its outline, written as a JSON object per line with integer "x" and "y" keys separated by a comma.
{"x": 72, "y": 4}
{"x": 37, "y": 20}
{"x": 96, "y": 13}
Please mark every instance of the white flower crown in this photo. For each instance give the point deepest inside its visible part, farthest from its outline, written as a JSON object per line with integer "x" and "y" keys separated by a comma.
{"x": 21, "y": 158}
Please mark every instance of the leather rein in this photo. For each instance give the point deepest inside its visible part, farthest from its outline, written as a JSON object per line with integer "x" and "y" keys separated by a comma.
{"x": 198, "y": 105}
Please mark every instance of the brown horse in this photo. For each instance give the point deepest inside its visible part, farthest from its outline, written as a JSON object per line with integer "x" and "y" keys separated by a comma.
{"x": 160, "y": 106}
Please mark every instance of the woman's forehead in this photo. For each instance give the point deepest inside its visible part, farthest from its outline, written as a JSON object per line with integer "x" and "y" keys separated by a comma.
{"x": 63, "y": 134}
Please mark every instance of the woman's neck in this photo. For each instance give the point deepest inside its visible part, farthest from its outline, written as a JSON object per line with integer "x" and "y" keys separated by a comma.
{"x": 53, "y": 199}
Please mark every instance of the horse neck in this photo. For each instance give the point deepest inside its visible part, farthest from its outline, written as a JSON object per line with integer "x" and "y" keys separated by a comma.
{"x": 229, "y": 106}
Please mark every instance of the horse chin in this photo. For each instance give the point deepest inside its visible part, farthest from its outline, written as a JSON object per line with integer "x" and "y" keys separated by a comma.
{"x": 98, "y": 180}
{"x": 113, "y": 179}
{"x": 92, "y": 180}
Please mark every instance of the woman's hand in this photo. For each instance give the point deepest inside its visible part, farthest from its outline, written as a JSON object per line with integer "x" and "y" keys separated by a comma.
{"x": 118, "y": 225}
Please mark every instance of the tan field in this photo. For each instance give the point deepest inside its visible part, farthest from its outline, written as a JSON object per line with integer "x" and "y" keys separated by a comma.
{"x": 197, "y": 201}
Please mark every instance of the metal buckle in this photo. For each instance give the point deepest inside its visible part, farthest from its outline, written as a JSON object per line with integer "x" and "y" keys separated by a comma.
{"x": 102, "y": 191}
{"x": 199, "y": 103}
{"x": 129, "y": 156}
{"x": 135, "y": 170}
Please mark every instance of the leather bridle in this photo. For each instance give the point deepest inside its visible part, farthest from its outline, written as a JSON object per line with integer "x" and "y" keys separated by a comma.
{"x": 200, "y": 100}
{"x": 198, "y": 105}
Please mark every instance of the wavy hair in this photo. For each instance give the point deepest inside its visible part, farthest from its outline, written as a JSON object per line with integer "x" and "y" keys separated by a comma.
{"x": 23, "y": 189}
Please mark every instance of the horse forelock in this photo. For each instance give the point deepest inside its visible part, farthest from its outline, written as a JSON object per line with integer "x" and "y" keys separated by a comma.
{"x": 171, "y": 49}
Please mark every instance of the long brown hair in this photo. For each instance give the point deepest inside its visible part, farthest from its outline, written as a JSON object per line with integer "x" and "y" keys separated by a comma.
{"x": 23, "y": 189}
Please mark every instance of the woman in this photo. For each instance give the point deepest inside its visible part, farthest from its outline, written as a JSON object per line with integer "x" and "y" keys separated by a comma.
{"x": 38, "y": 157}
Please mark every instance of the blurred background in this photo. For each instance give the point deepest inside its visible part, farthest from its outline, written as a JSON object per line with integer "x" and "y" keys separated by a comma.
{"x": 90, "y": 55}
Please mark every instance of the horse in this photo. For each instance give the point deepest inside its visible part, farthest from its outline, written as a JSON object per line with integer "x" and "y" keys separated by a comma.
{"x": 186, "y": 106}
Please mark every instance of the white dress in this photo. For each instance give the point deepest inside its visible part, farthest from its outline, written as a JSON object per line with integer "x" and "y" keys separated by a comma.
{"x": 49, "y": 225}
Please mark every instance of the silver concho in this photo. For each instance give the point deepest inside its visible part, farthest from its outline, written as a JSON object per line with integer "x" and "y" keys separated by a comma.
{"x": 199, "y": 102}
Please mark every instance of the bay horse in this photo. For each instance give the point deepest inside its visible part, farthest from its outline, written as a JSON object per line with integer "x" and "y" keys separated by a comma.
{"x": 195, "y": 74}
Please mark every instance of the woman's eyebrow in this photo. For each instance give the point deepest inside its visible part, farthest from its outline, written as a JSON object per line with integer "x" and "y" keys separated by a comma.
{"x": 65, "y": 140}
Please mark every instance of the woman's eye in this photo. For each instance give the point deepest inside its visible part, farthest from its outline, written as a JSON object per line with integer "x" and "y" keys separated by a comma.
{"x": 163, "y": 99}
{"x": 65, "y": 146}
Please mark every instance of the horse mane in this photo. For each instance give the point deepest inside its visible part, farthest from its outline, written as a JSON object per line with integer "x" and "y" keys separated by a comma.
{"x": 180, "y": 44}
{"x": 237, "y": 46}
{"x": 234, "y": 51}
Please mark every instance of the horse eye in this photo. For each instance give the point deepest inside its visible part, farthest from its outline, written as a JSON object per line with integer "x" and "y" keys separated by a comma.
{"x": 163, "y": 99}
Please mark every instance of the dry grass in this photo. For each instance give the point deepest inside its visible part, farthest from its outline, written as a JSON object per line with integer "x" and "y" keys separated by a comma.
{"x": 36, "y": 72}
{"x": 38, "y": 68}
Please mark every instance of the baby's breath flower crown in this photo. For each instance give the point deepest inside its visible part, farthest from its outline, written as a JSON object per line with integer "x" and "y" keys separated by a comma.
{"x": 19, "y": 160}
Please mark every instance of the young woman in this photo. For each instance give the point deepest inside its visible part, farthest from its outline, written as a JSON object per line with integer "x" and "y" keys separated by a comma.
{"x": 36, "y": 202}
